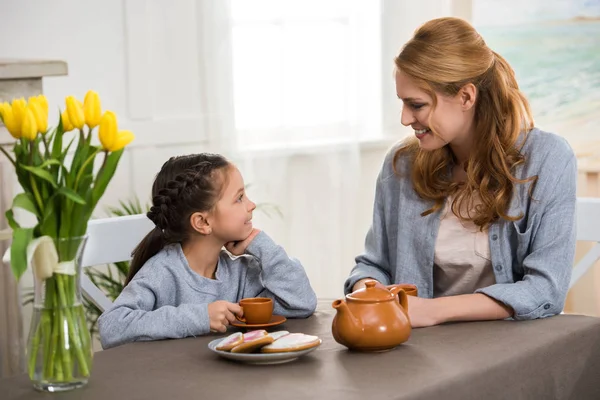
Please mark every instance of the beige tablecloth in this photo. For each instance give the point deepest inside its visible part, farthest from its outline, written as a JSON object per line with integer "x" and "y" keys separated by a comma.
{"x": 554, "y": 358}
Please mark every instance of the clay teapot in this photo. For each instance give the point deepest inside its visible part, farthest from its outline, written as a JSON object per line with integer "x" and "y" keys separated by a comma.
{"x": 374, "y": 318}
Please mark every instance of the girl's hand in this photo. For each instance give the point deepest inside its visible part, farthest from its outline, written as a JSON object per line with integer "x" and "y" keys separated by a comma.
{"x": 222, "y": 313}
{"x": 239, "y": 248}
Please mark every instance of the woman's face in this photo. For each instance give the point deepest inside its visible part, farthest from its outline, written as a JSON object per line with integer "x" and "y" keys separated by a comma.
{"x": 451, "y": 120}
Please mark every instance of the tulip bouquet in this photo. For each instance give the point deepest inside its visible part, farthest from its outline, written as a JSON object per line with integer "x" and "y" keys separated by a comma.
{"x": 63, "y": 175}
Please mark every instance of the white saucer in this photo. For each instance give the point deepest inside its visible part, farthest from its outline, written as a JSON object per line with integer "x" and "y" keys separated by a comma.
{"x": 259, "y": 358}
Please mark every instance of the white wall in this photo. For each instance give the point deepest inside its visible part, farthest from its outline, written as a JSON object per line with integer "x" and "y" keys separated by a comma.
{"x": 146, "y": 59}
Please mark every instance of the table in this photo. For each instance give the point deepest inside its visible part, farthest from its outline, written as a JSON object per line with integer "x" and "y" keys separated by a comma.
{"x": 554, "y": 358}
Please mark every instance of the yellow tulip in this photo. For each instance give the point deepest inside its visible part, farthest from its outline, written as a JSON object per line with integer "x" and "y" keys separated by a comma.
{"x": 123, "y": 139}
{"x": 29, "y": 128}
{"x": 92, "y": 109}
{"x": 110, "y": 137}
{"x": 3, "y": 107}
{"x": 75, "y": 112}
{"x": 107, "y": 133}
{"x": 18, "y": 109}
{"x": 9, "y": 120}
{"x": 40, "y": 114}
{"x": 44, "y": 102}
{"x": 66, "y": 123}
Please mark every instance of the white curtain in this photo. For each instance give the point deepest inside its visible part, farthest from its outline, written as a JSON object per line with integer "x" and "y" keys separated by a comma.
{"x": 11, "y": 324}
{"x": 293, "y": 89}
{"x": 299, "y": 94}
{"x": 318, "y": 196}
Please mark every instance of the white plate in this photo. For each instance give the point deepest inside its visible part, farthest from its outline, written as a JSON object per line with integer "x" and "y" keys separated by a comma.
{"x": 259, "y": 358}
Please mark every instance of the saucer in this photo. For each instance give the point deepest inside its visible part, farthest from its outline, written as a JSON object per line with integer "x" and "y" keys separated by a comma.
{"x": 260, "y": 358}
{"x": 275, "y": 320}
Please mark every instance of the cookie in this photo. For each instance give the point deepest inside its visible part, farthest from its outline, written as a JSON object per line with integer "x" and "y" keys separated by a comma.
{"x": 251, "y": 345}
{"x": 251, "y": 335}
{"x": 231, "y": 341}
{"x": 278, "y": 334}
{"x": 292, "y": 342}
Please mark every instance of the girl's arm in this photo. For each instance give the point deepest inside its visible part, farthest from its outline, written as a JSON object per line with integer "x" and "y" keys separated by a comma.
{"x": 272, "y": 273}
{"x": 132, "y": 317}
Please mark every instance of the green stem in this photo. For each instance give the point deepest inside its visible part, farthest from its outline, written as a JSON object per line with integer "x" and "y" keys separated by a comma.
{"x": 13, "y": 162}
{"x": 34, "y": 351}
{"x": 52, "y": 329}
{"x": 46, "y": 144}
{"x": 82, "y": 169}
{"x": 47, "y": 333}
{"x": 63, "y": 344}
{"x": 51, "y": 363}
{"x": 34, "y": 187}
{"x": 85, "y": 334}
{"x": 70, "y": 326}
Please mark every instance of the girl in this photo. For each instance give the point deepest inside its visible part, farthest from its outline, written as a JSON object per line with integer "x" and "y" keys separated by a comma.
{"x": 181, "y": 283}
{"x": 478, "y": 209}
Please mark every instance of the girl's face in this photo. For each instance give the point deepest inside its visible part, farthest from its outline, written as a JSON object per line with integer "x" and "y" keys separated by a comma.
{"x": 451, "y": 119}
{"x": 231, "y": 219}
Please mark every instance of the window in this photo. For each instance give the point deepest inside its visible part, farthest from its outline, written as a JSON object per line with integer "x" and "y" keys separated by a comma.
{"x": 305, "y": 70}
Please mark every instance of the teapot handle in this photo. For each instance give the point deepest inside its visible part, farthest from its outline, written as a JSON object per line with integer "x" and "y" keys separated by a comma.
{"x": 403, "y": 300}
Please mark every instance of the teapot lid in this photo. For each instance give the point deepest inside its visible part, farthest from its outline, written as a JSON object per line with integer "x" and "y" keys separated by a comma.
{"x": 373, "y": 292}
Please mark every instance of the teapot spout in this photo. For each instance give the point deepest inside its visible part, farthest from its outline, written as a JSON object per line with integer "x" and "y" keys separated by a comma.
{"x": 346, "y": 326}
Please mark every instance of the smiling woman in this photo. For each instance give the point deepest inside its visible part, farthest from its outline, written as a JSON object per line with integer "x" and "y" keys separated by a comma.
{"x": 454, "y": 212}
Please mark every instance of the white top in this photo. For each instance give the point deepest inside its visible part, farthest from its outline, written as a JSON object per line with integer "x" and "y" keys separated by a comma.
{"x": 462, "y": 261}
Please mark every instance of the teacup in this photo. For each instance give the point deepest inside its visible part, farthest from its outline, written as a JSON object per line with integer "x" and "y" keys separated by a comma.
{"x": 410, "y": 290}
{"x": 257, "y": 310}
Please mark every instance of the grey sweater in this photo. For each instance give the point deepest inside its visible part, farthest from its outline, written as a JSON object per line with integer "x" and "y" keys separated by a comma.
{"x": 167, "y": 299}
{"x": 532, "y": 257}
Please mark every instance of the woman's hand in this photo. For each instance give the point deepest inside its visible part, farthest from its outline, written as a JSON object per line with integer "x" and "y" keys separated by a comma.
{"x": 423, "y": 312}
{"x": 362, "y": 284}
{"x": 239, "y": 248}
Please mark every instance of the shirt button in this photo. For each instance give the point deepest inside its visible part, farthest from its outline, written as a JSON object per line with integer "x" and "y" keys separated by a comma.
{"x": 498, "y": 268}
{"x": 546, "y": 306}
{"x": 494, "y": 237}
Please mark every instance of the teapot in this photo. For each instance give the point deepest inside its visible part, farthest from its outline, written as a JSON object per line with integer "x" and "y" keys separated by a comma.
{"x": 374, "y": 318}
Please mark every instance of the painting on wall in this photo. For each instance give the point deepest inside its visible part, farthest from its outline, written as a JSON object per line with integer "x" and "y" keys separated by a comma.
{"x": 554, "y": 48}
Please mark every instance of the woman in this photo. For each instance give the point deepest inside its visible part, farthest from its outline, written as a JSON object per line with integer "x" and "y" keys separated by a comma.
{"x": 478, "y": 209}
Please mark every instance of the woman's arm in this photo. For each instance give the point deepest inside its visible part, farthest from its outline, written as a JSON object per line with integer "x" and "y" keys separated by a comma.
{"x": 373, "y": 262}
{"x": 467, "y": 307}
{"x": 542, "y": 291}
{"x": 549, "y": 262}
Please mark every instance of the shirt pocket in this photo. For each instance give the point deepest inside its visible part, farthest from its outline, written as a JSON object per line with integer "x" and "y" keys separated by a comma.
{"x": 524, "y": 229}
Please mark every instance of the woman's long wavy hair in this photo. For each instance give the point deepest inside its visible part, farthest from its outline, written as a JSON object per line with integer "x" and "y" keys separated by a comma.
{"x": 443, "y": 56}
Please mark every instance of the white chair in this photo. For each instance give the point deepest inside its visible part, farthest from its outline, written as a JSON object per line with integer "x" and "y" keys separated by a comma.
{"x": 110, "y": 240}
{"x": 588, "y": 229}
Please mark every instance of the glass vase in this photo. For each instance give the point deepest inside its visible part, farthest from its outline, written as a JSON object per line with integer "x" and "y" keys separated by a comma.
{"x": 59, "y": 348}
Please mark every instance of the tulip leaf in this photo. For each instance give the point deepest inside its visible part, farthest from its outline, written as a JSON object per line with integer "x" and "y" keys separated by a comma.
{"x": 49, "y": 162}
{"x": 10, "y": 217}
{"x": 71, "y": 195}
{"x": 50, "y": 219}
{"x": 42, "y": 173}
{"x": 25, "y": 201}
{"x": 18, "y": 250}
{"x": 57, "y": 139}
{"x": 105, "y": 174}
